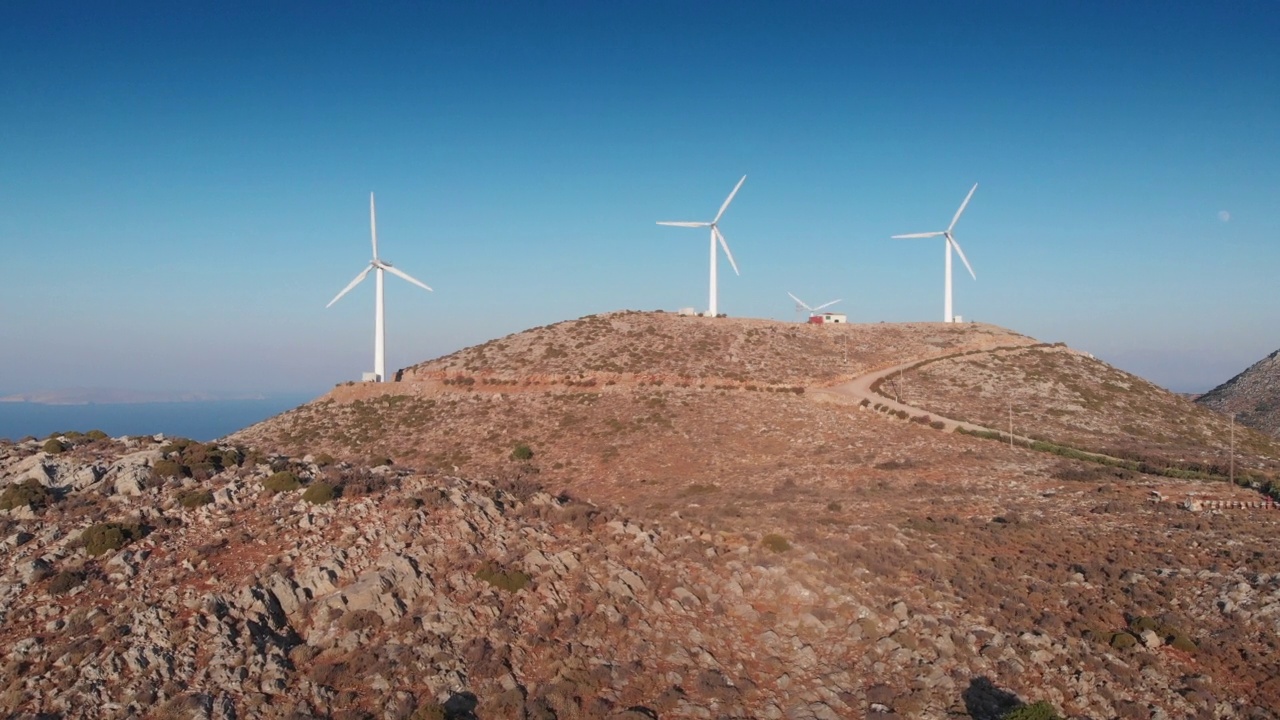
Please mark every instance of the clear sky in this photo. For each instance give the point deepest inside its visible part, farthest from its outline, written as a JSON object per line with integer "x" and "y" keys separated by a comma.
{"x": 183, "y": 186}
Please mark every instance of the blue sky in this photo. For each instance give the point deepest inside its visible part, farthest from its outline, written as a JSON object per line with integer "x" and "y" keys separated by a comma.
{"x": 185, "y": 185}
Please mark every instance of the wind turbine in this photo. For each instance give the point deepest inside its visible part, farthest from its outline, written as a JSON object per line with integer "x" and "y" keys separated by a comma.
{"x": 812, "y": 310}
{"x": 716, "y": 235}
{"x": 379, "y": 325}
{"x": 951, "y": 242}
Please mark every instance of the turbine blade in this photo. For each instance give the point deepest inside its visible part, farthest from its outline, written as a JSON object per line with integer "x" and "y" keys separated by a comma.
{"x": 729, "y": 199}
{"x": 397, "y": 271}
{"x": 960, "y": 252}
{"x": 800, "y": 303}
{"x": 725, "y": 245}
{"x": 373, "y": 226}
{"x": 686, "y": 224}
{"x": 833, "y": 302}
{"x": 354, "y": 283}
{"x": 963, "y": 205}
{"x": 918, "y": 235}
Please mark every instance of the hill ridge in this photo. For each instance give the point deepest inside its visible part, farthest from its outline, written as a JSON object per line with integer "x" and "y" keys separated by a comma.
{"x": 1253, "y": 395}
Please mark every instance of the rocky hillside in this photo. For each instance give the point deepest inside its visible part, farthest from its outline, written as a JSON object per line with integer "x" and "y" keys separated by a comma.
{"x": 218, "y": 589}
{"x": 1253, "y": 396}
{"x": 1056, "y": 394}
{"x": 561, "y": 539}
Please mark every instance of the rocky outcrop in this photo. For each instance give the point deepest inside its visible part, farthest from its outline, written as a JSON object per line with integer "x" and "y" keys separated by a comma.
{"x": 424, "y": 592}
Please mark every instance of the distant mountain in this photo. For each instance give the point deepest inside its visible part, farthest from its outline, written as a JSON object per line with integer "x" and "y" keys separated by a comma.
{"x": 116, "y": 396}
{"x": 1253, "y": 395}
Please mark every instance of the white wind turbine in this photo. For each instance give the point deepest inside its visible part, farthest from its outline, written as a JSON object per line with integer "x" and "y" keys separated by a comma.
{"x": 379, "y": 325}
{"x": 800, "y": 304}
{"x": 950, "y": 243}
{"x": 715, "y": 236}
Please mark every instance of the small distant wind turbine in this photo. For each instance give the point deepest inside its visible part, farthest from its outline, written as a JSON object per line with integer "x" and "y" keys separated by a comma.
{"x": 951, "y": 242}
{"x": 801, "y": 305}
{"x": 379, "y": 326}
{"x": 716, "y": 235}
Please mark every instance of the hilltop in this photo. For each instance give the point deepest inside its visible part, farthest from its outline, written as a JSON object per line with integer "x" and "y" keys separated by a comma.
{"x": 640, "y": 515}
{"x": 1253, "y": 396}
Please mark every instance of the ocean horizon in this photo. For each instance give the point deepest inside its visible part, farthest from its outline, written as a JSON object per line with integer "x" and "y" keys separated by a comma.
{"x": 203, "y": 420}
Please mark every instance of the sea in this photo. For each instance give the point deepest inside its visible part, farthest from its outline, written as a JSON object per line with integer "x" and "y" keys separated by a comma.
{"x": 204, "y": 420}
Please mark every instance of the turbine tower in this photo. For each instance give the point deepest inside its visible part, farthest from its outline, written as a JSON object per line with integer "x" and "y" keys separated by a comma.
{"x": 950, "y": 243}
{"x": 379, "y": 324}
{"x": 716, "y": 235}
{"x": 800, "y": 304}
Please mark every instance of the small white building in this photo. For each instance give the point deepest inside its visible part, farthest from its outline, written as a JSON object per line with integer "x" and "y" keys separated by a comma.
{"x": 827, "y": 318}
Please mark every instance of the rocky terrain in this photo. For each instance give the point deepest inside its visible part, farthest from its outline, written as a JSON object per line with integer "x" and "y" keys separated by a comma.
{"x": 561, "y": 539}
{"x": 1253, "y": 396}
{"x": 1054, "y": 393}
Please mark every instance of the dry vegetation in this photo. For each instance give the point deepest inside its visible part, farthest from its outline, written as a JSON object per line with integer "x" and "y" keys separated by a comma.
{"x": 640, "y": 514}
{"x": 1070, "y": 398}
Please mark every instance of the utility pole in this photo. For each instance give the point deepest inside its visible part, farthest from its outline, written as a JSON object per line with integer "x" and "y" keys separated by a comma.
{"x": 1231, "y": 472}
{"x": 1010, "y": 422}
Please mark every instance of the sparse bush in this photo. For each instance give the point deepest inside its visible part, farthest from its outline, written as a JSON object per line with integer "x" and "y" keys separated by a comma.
{"x": 775, "y": 542}
{"x": 283, "y": 481}
{"x": 29, "y": 493}
{"x": 833, "y": 506}
{"x": 319, "y": 493}
{"x": 937, "y": 425}
{"x": 323, "y": 460}
{"x": 380, "y": 461}
{"x": 522, "y": 452}
{"x": 53, "y": 446}
{"x": 1036, "y": 711}
{"x": 1122, "y": 641}
{"x": 167, "y": 469}
{"x": 509, "y": 580}
{"x": 66, "y": 581}
{"x": 428, "y": 711}
{"x": 195, "y": 498}
{"x": 109, "y": 536}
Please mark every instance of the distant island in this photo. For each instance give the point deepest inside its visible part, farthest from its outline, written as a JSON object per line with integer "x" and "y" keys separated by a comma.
{"x": 116, "y": 396}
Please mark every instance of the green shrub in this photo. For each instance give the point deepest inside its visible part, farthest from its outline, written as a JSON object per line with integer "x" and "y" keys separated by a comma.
{"x": 775, "y": 542}
{"x": 1142, "y": 623}
{"x": 175, "y": 445}
{"x": 192, "y": 499}
{"x": 27, "y": 493}
{"x": 66, "y": 581}
{"x": 1183, "y": 643}
{"x": 96, "y": 435}
{"x": 1123, "y": 641}
{"x": 319, "y": 494}
{"x": 162, "y": 469}
{"x": 105, "y": 537}
{"x": 283, "y": 481}
{"x": 509, "y": 580}
{"x": 323, "y": 460}
{"x": 53, "y": 446}
{"x": 428, "y": 711}
{"x": 522, "y": 452}
{"x": 1036, "y": 711}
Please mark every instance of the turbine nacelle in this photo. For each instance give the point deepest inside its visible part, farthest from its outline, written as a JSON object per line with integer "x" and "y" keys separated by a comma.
{"x": 717, "y": 238}
{"x": 805, "y": 305}
{"x": 950, "y": 244}
{"x": 379, "y": 334}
